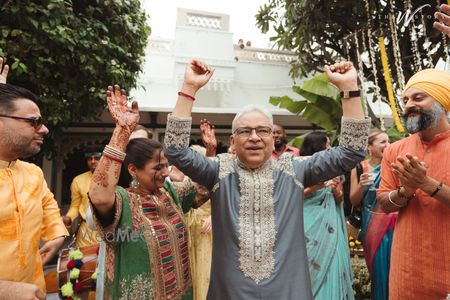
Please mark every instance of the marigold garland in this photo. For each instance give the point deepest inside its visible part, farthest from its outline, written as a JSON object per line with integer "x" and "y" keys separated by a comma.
{"x": 387, "y": 78}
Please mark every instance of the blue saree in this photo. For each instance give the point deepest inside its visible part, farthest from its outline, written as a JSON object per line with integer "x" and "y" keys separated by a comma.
{"x": 377, "y": 231}
{"x": 327, "y": 247}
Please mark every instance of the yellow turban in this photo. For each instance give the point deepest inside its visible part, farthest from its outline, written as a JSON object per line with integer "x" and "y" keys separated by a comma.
{"x": 435, "y": 83}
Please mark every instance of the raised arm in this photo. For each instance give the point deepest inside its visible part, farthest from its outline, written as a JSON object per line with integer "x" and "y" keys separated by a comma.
{"x": 443, "y": 15}
{"x": 4, "y": 69}
{"x": 327, "y": 164}
{"x": 197, "y": 74}
{"x": 208, "y": 137}
{"x": 106, "y": 175}
{"x": 176, "y": 140}
{"x": 343, "y": 75}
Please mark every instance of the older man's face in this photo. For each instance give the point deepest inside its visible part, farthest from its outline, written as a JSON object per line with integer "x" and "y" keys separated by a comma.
{"x": 421, "y": 110}
{"x": 253, "y": 150}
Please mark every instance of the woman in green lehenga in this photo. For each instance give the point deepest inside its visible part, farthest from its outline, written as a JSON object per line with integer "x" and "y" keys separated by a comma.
{"x": 325, "y": 233}
{"x": 146, "y": 238}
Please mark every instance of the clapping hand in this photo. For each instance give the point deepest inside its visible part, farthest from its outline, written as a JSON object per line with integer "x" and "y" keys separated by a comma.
{"x": 343, "y": 75}
{"x": 118, "y": 107}
{"x": 444, "y": 17}
{"x": 410, "y": 171}
{"x": 4, "y": 69}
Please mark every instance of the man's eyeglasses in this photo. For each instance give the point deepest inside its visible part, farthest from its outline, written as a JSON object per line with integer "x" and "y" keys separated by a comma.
{"x": 36, "y": 122}
{"x": 245, "y": 132}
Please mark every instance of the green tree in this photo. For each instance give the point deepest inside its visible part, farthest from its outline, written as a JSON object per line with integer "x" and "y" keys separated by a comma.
{"x": 320, "y": 105}
{"x": 322, "y": 32}
{"x": 68, "y": 52}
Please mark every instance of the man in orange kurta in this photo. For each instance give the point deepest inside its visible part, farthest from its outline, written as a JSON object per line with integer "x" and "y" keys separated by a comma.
{"x": 28, "y": 210}
{"x": 415, "y": 180}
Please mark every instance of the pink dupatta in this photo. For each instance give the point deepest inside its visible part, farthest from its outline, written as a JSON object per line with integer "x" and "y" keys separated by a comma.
{"x": 379, "y": 224}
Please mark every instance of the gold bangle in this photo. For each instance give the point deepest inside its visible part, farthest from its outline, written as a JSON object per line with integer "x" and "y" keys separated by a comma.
{"x": 392, "y": 202}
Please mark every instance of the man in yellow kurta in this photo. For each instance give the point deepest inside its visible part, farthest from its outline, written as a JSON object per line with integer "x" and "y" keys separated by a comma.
{"x": 80, "y": 200}
{"x": 29, "y": 212}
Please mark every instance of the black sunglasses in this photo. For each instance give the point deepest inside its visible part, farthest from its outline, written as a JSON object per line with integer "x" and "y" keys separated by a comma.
{"x": 36, "y": 122}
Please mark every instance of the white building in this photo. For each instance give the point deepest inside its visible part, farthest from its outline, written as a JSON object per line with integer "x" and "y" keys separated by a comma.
{"x": 243, "y": 75}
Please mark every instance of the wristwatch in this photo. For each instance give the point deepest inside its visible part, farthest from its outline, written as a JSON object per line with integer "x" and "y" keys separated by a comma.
{"x": 350, "y": 94}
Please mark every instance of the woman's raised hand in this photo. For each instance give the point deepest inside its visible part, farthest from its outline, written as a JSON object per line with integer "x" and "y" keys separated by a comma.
{"x": 4, "y": 68}
{"x": 118, "y": 107}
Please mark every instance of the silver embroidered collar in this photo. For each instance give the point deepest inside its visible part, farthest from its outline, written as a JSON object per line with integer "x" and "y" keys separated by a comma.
{"x": 257, "y": 221}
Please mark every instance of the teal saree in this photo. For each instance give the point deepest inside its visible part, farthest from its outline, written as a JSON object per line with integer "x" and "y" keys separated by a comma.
{"x": 327, "y": 247}
{"x": 377, "y": 232}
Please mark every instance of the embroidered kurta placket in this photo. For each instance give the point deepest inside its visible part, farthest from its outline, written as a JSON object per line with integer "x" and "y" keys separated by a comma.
{"x": 257, "y": 222}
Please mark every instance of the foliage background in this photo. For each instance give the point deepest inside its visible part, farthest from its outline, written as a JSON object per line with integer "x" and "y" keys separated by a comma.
{"x": 322, "y": 32}
{"x": 68, "y": 52}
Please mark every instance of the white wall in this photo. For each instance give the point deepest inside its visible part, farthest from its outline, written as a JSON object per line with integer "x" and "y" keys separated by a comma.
{"x": 242, "y": 76}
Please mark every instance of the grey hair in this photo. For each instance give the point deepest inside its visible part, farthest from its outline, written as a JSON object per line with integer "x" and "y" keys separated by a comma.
{"x": 248, "y": 109}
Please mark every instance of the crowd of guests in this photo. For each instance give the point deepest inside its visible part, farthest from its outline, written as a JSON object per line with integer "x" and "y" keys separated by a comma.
{"x": 263, "y": 221}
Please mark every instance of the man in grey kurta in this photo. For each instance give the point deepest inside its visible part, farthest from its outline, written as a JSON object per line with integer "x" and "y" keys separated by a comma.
{"x": 259, "y": 249}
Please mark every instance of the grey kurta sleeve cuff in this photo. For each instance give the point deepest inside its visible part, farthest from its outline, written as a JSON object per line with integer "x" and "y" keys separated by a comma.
{"x": 178, "y": 132}
{"x": 184, "y": 187}
{"x": 354, "y": 133}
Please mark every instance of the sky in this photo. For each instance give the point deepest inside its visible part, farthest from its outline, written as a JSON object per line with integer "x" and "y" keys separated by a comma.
{"x": 242, "y": 13}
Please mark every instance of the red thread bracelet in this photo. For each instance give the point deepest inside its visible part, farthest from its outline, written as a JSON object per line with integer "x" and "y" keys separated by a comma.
{"x": 112, "y": 158}
{"x": 186, "y": 95}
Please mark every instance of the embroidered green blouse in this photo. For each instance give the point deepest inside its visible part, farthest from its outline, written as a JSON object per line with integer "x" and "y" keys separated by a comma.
{"x": 147, "y": 250}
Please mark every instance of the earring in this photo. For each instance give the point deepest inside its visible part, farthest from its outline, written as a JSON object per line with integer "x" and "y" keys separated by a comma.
{"x": 134, "y": 182}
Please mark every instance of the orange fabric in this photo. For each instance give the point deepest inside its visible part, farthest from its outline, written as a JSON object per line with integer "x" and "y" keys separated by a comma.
{"x": 420, "y": 257}
{"x": 28, "y": 214}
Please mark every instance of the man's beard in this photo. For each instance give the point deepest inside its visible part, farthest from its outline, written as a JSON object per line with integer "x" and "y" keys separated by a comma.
{"x": 20, "y": 146}
{"x": 423, "y": 119}
{"x": 279, "y": 144}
